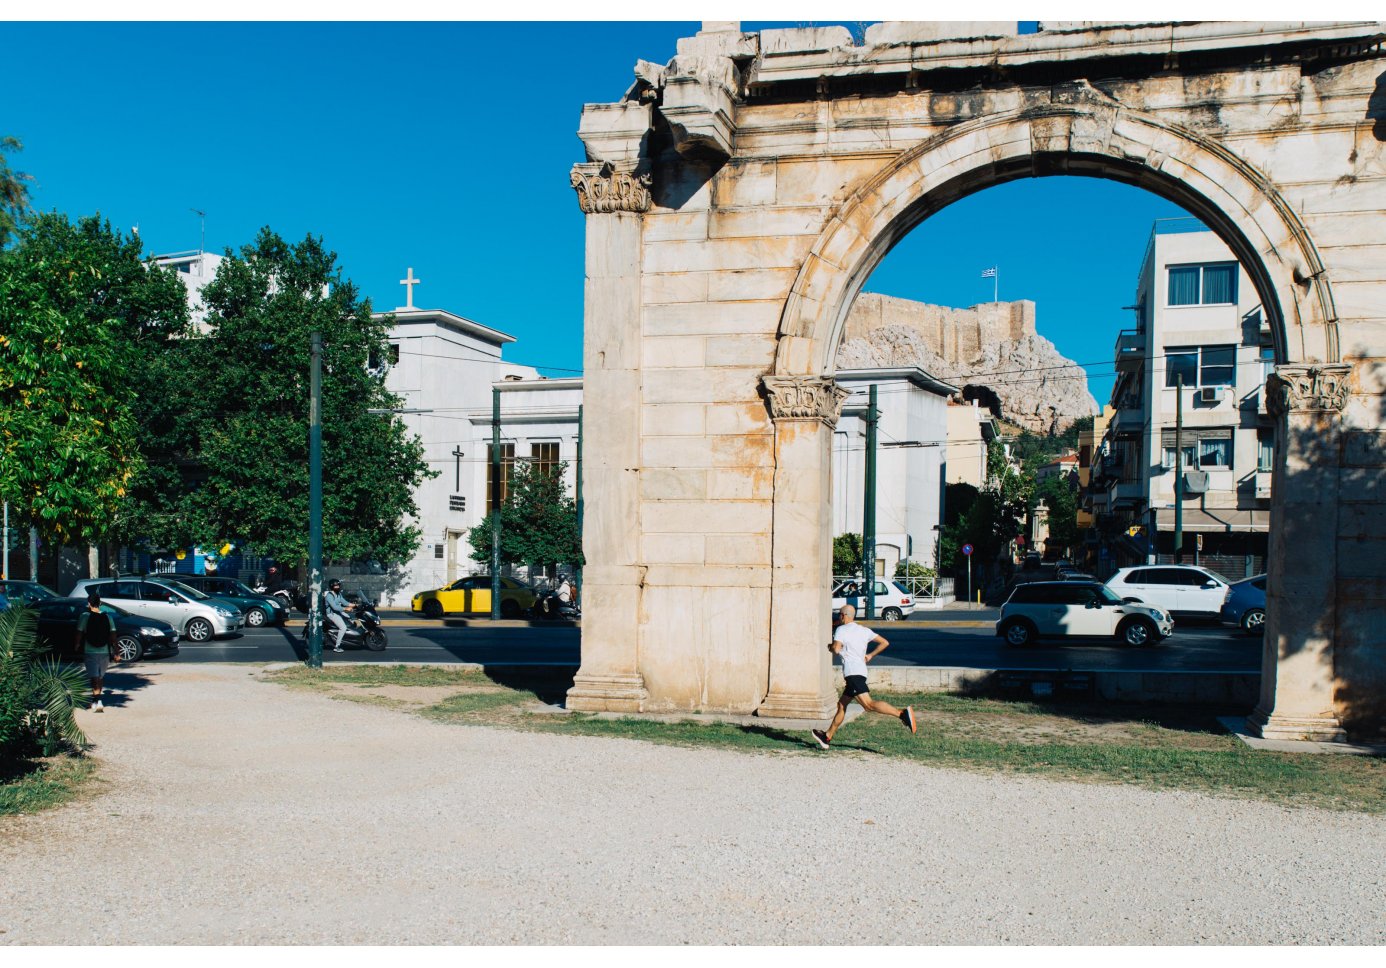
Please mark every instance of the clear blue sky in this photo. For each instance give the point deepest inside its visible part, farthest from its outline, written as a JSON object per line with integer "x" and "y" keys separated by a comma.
{"x": 446, "y": 147}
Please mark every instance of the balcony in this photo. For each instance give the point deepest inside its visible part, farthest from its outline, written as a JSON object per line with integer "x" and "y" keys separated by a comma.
{"x": 1128, "y": 420}
{"x": 1262, "y": 485}
{"x": 1130, "y": 350}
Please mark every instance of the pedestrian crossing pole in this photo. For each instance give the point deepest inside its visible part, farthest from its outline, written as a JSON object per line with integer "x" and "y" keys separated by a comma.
{"x": 495, "y": 503}
{"x": 868, "y": 516}
{"x": 315, "y": 506}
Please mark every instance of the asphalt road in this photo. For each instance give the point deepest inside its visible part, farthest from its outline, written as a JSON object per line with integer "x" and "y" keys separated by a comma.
{"x": 962, "y": 642}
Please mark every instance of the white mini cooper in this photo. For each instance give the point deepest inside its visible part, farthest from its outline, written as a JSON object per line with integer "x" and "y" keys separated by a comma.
{"x": 1052, "y": 609}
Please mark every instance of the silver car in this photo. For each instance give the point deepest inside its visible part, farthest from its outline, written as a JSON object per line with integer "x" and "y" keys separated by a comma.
{"x": 199, "y": 617}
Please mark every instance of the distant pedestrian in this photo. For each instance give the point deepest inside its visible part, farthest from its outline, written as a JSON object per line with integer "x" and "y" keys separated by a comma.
{"x": 96, "y": 637}
{"x": 337, "y": 607}
{"x": 850, "y": 641}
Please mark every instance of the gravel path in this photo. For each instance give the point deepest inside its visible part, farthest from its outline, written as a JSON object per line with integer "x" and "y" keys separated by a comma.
{"x": 240, "y": 812}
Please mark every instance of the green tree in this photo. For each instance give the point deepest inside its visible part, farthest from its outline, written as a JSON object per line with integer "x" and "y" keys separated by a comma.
{"x": 68, "y": 436}
{"x": 847, "y": 554}
{"x": 241, "y": 427}
{"x": 142, "y": 308}
{"x": 539, "y": 524}
{"x": 1059, "y": 496}
{"x": 14, "y": 192}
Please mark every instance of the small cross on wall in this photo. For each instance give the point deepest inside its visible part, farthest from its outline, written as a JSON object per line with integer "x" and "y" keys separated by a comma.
{"x": 409, "y": 282}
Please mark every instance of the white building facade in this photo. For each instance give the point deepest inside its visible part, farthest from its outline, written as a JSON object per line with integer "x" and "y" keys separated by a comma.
{"x": 1201, "y": 339}
{"x": 912, "y": 439}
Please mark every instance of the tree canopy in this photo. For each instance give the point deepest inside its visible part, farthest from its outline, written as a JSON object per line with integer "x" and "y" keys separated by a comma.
{"x": 14, "y": 192}
{"x": 77, "y": 308}
{"x": 539, "y": 523}
{"x": 239, "y": 427}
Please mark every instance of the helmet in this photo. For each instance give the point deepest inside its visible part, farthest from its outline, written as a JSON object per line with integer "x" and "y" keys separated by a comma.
{"x": 335, "y": 584}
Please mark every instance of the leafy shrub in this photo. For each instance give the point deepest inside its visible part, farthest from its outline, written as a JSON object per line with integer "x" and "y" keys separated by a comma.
{"x": 37, "y": 693}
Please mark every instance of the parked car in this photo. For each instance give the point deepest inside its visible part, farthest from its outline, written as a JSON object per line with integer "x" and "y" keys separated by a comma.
{"x": 196, "y": 616}
{"x": 25, "y": 592}
{"x": 472, "y": 595}
{"x": 1086, "y": 609}
{"x": 1246, "y": 605}
{"x": 259, "y": 609}
{"x": 1181, "y": 589}
{"x": 893, "y": 600}
{"x": 137, "y": 636}
{"x": 1073, "y": 574}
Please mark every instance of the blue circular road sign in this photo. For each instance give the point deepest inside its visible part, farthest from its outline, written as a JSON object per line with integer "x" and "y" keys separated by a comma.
{"x": 967, "y": 550}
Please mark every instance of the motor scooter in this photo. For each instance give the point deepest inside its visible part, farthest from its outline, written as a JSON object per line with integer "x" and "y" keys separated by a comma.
{"x": 364, "y": 628}
{"x": 549, "y": 606}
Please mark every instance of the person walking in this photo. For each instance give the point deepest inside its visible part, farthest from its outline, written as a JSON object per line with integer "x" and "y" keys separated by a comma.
{"x": 850, "y": 641}
{"x": 336, "y": 610}
{"x": 96, "y": 638}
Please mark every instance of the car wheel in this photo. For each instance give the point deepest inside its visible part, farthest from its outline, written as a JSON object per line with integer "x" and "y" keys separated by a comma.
{"x": 128, "y": 649}
{"x": 199, "y": 630}
{"x": 1254, "y": 621}
{"x": 1019, "y": 632}
{"x": 892, "y": 615}
{"x": 1138, "y": 632}
{"x": 510, "y": 608}
{"x": 256, "y": 617}
{"x": 433, "y": 608}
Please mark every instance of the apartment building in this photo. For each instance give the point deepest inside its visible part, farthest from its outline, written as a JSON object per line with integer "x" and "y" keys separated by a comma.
{"x": 1191, "y": 378}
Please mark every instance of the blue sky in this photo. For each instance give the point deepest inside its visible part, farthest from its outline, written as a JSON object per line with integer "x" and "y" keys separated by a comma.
{"x": 446, "y": 147}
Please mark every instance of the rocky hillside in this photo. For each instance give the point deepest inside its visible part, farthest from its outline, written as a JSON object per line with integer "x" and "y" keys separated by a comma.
{"x": 993, "y": 345}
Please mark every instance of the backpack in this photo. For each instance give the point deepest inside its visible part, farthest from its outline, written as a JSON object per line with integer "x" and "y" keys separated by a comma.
{"x": 98, "y": 629}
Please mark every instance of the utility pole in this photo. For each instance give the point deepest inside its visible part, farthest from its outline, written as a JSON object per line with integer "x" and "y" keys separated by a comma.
{"x": 33, "y": 553}
{"x": 315, "y": 506}
{"x": 5, "y": 568}
{"x": 495, "y": 502}
{"x": 868, "y": 514}
{"x": 577, "y": 572}
{"x": 1178, "y": 470}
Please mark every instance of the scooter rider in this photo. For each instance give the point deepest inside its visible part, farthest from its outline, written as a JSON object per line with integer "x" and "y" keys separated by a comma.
{"x": 337, "y": 610}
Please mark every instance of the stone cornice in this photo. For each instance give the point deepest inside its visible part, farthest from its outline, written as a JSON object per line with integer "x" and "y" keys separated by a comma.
{"x": 603, "y": 188}
{"x": 805, "y": 398}
{"x": 1308, "y": 388}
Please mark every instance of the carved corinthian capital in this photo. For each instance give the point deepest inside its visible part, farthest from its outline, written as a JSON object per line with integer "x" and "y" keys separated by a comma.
{"x": 805, "y": 398}
{"x": 1299, "y": 388}
{"x": 601, "y": 188}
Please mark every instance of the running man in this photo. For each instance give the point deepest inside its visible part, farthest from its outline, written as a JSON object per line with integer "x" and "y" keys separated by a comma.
{"x": 850, "y": 640}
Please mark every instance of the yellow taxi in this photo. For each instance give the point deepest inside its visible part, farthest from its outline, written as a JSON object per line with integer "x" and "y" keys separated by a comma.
{"x": 472, "y": 595}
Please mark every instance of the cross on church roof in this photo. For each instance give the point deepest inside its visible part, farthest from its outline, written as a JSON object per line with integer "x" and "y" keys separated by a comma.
{"x": 409, "y": 282}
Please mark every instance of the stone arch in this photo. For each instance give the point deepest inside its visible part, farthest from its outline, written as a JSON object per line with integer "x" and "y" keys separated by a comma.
{"x": 1094, "y": 137}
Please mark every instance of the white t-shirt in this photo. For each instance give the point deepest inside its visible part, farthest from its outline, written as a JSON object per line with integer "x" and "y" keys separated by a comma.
{"x": 854, "y": 638}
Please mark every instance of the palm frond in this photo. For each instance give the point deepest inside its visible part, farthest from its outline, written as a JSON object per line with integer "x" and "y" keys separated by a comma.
{"x": 59, "y": 689}
{"x": 18, "y": 632}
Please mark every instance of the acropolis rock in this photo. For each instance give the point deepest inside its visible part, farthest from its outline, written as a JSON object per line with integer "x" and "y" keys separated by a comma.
{"x": 993, "y": 345}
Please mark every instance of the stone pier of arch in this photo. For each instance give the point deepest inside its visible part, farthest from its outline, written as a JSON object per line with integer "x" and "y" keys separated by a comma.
{"x": 737, "y": 198}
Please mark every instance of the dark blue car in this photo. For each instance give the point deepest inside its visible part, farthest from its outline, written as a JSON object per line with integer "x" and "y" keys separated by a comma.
{"x": 1245, "y": 605}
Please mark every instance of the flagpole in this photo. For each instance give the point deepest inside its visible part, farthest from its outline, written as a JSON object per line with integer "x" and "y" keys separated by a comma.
{"x": 995, "y": 284}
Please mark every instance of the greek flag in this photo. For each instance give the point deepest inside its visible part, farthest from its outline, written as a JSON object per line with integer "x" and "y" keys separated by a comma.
{"x": 989, "y": 273}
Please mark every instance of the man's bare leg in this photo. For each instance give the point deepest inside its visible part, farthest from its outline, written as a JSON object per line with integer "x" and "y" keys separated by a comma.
{"x": 839, "y": 715}
{"x": 886, "y": 709}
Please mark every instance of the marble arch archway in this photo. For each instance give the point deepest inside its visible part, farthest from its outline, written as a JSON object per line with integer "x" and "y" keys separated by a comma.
{"x": 736, "y": 198}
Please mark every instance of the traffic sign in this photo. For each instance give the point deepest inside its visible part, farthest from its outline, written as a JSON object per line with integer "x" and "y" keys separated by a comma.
{"x": 967, "y": 549}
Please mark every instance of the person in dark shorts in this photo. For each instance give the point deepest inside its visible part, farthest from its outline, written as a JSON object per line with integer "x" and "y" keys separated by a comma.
{"x": 850, "y": 641}
{"x": 95, "y": 638}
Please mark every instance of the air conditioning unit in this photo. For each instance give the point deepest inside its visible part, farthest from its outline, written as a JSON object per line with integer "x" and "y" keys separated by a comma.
{"x": 1211, "y": 394}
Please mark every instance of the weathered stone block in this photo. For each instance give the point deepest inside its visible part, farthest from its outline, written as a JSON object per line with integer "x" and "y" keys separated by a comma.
{"x": 673, "y": 420}
{"x": 698, "y": 517}
{"x": 739, "y": 549}
{"x": 672, "y": 549}
{"x": 751, "y": 350}
{"x": 672, "y": 351}
{"x": 673, "y": 484}
{"x": 707, "y": 318}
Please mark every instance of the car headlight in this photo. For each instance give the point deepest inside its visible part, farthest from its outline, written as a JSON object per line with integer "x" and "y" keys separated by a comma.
{"x": 148, "y": 630}
{"x": 228, "y": 612}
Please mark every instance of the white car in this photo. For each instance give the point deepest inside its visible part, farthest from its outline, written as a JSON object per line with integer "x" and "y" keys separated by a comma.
{"x": 893, "y": 600}
{"x": 1086, "y": 609}
{"x": 197, "y": 616}
{"x": 1182, "y": 589}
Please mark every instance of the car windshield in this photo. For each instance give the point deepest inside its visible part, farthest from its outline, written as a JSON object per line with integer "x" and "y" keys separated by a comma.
{"x": 1225, "y": 581}
{"x": 34, "y": 593}
{"x": 1109, "y": 596}
{"x": 187, "y": 590}
{"x": 234, "y": 587}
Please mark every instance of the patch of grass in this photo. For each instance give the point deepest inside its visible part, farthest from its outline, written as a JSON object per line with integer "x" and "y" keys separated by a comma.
{"x": 376, "y": 675}
{"x": 45, "y": 784}
{"x": 1155, "y": 747}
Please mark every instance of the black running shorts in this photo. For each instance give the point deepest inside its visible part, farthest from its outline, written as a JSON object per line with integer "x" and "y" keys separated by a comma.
{"x": 856, "y": 685}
